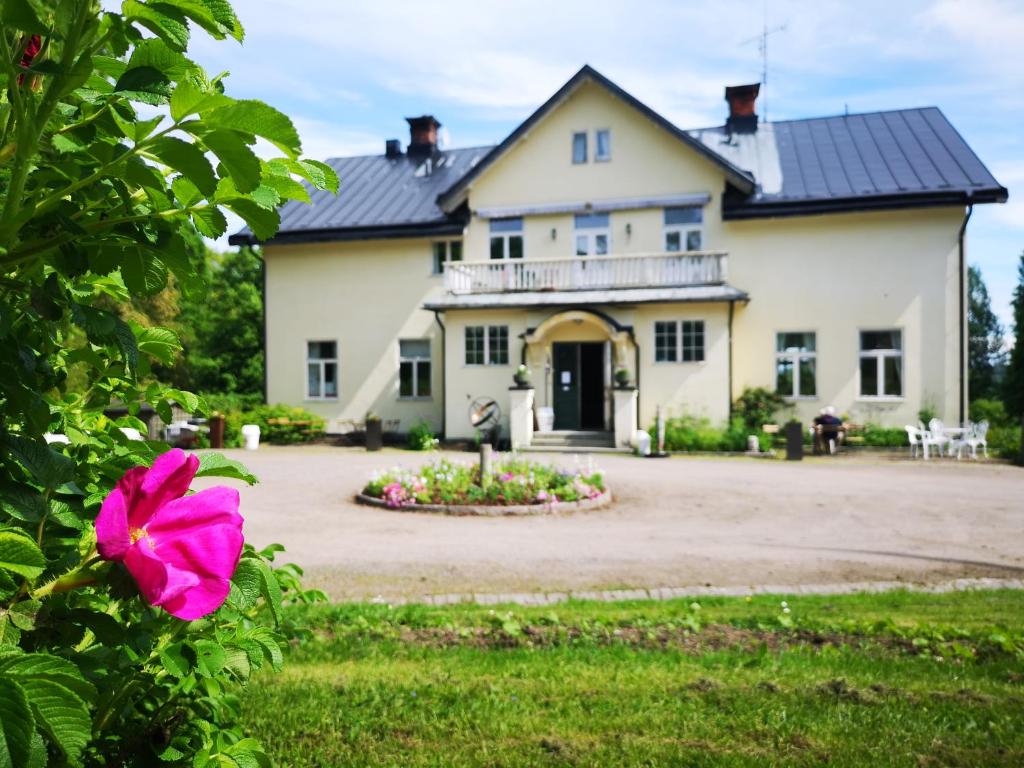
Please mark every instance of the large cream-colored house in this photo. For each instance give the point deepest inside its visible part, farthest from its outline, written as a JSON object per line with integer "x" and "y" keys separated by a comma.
{"x": 821, "y": 257}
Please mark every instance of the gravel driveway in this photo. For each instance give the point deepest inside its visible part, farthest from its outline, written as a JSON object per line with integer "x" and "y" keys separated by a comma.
{"x": 676, "y": 522}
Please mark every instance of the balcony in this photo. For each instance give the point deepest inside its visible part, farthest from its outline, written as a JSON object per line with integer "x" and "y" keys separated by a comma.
{"x": 586, "y": 273}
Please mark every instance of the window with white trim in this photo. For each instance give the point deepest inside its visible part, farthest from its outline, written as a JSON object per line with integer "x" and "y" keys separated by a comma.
{"x": 796, "y": 364}
{"x": 507, "y": 238}
{"x": 684, "y": 228}
{"x": 486, "y": 345}
{"x": 579, "y": 147}
{"x": 413, "y": 368}
{"x": 881, "y": 363}
{"x": 681, "y": 341}
{"x": 321, "y": 370}
{"x": 603, "y": 145}
{"x": 592, "y": 234}
{"x": 445, "y": 251}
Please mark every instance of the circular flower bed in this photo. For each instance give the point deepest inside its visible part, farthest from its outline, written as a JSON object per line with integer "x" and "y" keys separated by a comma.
{"x": 515, "y": 486}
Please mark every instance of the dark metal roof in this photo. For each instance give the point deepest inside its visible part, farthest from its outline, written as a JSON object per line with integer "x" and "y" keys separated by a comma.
{"x": 872, "y": 161}
{"x": 900, "y": 158}
{"x": 378, "y": 197}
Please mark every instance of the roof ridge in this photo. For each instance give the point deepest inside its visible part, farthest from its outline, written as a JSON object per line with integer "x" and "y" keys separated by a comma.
{"x": 822, "y": 117}
{"x": 381, "y": 154}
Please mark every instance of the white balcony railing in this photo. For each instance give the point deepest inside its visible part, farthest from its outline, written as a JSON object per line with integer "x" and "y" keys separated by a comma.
{"x": 582, "y": 273}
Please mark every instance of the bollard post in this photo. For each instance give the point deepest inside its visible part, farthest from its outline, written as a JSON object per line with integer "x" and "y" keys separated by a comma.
{"x": 485, "y": 464}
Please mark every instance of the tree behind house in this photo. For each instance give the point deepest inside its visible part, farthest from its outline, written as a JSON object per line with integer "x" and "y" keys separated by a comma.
{"x": 985, "y": 350}
{"x": 1013, "y": 383}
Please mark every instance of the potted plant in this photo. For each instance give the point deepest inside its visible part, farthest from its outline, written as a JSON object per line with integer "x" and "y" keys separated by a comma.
{"x": 622, "y": 377}
{"x": 521, "y": 376}
{"x": 374, "y": 432}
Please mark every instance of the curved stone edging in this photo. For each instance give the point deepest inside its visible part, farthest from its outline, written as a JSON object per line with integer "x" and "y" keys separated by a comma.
{"x": 494, "y": 510}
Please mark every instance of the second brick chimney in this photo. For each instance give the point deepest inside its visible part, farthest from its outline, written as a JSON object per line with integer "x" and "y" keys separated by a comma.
{"x": 422, "y": 135}
{"x": 742, "y": 98}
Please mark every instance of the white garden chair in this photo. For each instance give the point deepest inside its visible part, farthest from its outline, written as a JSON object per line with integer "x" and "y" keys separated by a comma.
{"x": 935, "y": 436}
{"x": 978, "y": 437}
{"x": 914, "y": 436}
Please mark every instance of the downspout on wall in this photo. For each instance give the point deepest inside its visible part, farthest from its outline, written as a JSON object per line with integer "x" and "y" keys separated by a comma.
{"x": 444, "y": 373}
{"x": 732, "y": 308}
{"x": 963, "y": 310}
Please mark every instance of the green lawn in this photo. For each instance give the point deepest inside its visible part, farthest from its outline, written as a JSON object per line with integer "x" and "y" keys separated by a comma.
{"x": 891, "y": 679}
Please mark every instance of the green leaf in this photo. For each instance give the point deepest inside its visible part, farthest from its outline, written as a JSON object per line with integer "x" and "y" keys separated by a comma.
{"x": 157, "y": 54}
{"x": 320, "y": 175}
{"x": 161, "y": 343}
{"x": 271, "y": 590}
{"x": 186, "y": 192}
{"x": 23, "y": 614}
{"x": 175, "y": 661}
{"x": 20, "y": 555}
{"x": 165, "y": 22}
{"x": 16, "y": 725}
{"x": 263, "y": 223}
{"x": 7, "y": 586}
{"x": 43, "y": 666}
{"x": 240, "y": 161}
{"x": 218, "y": 465}
{"x": 209, "y": 221}
{"x": 249, "y": 581}
{"x": 49, "y": 468}
{"x": 210, "y": 657}
{"x": 62, "y": 715}
{"x": 286, "y": 187}
{"x": 192, "y": 97}
{"x": 143, "y": 272}
{"x": 21, "y": 15}
{"x": 215, "y": 16}
{"x": 187, "y": 158}
{"x": 146, "y": 84}
{"x": 259, "y": 119}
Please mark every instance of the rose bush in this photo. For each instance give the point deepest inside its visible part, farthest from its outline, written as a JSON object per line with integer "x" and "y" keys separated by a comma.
{"x": 130, "y": 609}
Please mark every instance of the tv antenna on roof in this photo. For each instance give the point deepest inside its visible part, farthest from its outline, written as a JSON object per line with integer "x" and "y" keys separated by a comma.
{"x": 762, "y": 48}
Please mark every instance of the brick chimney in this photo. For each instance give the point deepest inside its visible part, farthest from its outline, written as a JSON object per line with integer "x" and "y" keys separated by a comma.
{"x": 422, "y": 136}
{"x": 741, "y": 98}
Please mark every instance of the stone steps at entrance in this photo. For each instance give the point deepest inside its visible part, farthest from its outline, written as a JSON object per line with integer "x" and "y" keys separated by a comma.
{"x": 573, "y": 440}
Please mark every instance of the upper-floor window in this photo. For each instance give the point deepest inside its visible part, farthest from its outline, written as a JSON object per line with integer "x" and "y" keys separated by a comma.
{"x": 507, "y": 238}
{"x": 413, "y": 368}
{"x": 603, "y": 145}
{"x": 445, "y": 251}
{"x": 796, "y": 362}
{"x": 881, "y": 363}
{"x": 675, "y": 341}
{"x": 321, "y": 370}
{"x": 486, "y": 345}
{"x": 592, "y": 235}
{"x": 579, "y": 147}
{"x": 684, "y": 225}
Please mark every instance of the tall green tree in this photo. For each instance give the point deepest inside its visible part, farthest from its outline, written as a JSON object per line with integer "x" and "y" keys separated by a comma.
{"x": 1013, "y": 383}
{"x": 985, "y": 334}
{"x": 222, "y": 327}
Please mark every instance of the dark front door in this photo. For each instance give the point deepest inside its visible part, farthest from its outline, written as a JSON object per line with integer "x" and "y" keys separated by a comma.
{"x": 578, "y": 385}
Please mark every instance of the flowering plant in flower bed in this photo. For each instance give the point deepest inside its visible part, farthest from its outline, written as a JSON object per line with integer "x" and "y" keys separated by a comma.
{"x": 513, "y": 481}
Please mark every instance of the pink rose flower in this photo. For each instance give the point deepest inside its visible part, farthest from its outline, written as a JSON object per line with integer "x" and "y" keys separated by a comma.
{"x": 181, "y": 550}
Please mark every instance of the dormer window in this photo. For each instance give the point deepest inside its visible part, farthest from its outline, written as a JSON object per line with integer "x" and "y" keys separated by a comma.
{"x": 603, "y": 148}
{"x": 579, "y": 148}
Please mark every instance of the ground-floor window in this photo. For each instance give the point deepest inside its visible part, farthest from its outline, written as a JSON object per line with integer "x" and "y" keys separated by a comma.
{"x": 414, "y": 368}
{"x": 881, "y": 363}
{"x": 679, "y": 341}
{"x": 487, "y": 345}
{"x": 321, "y": 370}
{"x": 796, "y": 360}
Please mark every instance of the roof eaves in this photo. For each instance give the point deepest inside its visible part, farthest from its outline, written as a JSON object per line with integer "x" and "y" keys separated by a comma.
{"x": 451, "y": 226}
{"x": 453, "y": 196}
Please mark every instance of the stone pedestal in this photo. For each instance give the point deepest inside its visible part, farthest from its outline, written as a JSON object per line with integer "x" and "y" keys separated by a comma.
{"x": 625, "y": 406}
{"x": 520, "y": 416}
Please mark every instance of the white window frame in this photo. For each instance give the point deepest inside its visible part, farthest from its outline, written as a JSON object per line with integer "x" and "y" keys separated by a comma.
{"x": 680, "y": 344}
{"x": 880, "y": 355}
{"x": 794, "y": 358}
{"x": 590, "y": 234}
{"x": 414, "y": 360}
{"x": 586, "y": 148}
{"x": 437, "y": 267}
{"x": 323, "y": 367}
{"x": 487, "y": 362}
{"x": 505, "y": 237}
{"x": 683, "y": 230}
{"x": 598, "y": 157}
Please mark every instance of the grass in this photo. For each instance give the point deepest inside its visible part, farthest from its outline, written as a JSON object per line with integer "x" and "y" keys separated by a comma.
{"x": 891, "y": 679}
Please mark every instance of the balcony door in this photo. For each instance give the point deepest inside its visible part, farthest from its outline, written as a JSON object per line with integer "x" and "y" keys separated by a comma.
{"x": 578, "y": 385}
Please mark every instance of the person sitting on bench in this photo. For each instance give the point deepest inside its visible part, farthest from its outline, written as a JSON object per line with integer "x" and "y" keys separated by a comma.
{"x": 828, "y": 431}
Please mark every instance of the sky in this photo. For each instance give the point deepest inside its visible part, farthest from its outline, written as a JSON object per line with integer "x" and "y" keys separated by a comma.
{"x": 349, "y": 71}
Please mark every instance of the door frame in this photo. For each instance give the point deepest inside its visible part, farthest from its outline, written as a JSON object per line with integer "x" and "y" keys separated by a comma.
{"x": 605, "y": 386}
